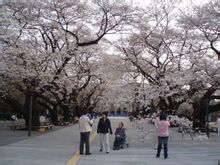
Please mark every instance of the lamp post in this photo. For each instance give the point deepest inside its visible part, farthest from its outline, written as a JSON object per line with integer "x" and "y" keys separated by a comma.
{"x": 30, "y": 114}
{"x": 207, "y": 117}
{"x": 32, "y": 84}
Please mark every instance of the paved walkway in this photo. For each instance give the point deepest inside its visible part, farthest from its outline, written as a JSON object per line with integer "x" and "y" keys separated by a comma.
{"x": 54, "y": 148}
{"x": 142, "y": 151}
{"x": 59, "y": 146}
{"x": 8, "y": 136}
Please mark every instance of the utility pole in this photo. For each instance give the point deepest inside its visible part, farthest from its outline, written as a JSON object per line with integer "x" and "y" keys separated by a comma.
{"x": 207, "y": 117}
{"x": 30, "y": 113}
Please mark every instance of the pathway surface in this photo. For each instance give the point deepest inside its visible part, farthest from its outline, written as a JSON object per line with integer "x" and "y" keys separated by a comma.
{"x": 200, "y": 151}
{"x": 51, "y": 148}
{"x": 59, "y": 146}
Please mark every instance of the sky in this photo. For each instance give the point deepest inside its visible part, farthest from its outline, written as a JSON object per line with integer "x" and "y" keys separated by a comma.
{"x": 183, "y": 2}
{"x": 146, "y": 2}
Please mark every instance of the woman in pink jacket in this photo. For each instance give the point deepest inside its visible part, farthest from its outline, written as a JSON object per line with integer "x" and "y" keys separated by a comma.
{"x": 162, "y": 127}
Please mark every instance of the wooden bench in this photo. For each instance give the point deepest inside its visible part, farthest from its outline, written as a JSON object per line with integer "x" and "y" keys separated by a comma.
{"x": 187, "y": 130}
{"x": 213, "y": 126}
{"x": 46, "y": 126}
{"x": 63, "y": 123}
{"x": 18, "y": 124}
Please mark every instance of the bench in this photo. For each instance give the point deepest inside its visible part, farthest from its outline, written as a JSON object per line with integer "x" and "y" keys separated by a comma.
{"x": 187, "y": 130}
{"x": 18, "y": 124}
{"x": 63, "y": 123}
{"x": 45, "y": 126}
{"x": 42, "y": 128}
{"x": 213, "y": 126}
{"x": 5, "y": 123}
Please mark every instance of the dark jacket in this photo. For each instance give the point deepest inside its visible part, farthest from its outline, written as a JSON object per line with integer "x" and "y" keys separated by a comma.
{"x": 120, "y": 132}
{"x": 104, "y": 126}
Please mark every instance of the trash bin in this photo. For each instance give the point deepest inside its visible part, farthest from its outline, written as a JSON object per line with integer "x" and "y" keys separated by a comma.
{"x": 218, "y": 125}
{"x": 41, "y": 129}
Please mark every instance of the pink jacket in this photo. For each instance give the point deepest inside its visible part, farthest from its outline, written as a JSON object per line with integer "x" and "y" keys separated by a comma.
{"x": 162, "y": 128}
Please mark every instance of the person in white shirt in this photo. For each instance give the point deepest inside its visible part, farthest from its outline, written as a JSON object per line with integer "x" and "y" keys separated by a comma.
{"x": 85, "y": 127}
{"x": 14, "y": 118}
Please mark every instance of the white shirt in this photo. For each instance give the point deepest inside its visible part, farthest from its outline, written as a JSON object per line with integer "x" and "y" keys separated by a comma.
{"x": 85, "y": 124}
{"x": 14, "y": 118}
{"x": 42, "y": 119}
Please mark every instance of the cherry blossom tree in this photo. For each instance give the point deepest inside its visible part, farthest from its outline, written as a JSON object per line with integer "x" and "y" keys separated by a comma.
{"x": 61, "y": 53}
{"x": 47, "y": 48}
{"x": 202, "y": 22}
{"x": 165, "y": 57}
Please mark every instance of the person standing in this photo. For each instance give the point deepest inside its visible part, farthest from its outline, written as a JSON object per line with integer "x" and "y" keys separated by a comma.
{"x": 13, "y": 119}
{"x": 103, "y": 129}
{"x": 85, "y": 127}
{"x": 163, "y": 135}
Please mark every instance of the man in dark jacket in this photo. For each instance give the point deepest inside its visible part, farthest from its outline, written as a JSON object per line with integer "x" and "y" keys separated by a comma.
{"x": 103, "y": 129}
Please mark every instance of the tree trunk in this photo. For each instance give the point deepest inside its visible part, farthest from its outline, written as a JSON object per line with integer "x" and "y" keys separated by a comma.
{"x": 26, "y": 107}
{"x": 199, "y": 113}
{"x": 35, "y": 112}
{"x": 54, "y": 115}
{"x": 66, "y": 113}
{"x": 163, "y": 104}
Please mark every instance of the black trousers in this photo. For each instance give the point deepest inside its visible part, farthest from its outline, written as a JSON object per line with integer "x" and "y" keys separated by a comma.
{"x": 116, "y": 144}
{"x": 84, "y": 139}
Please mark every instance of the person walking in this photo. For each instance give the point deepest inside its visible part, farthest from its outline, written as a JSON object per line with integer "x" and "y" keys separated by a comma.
{"x": 103, "y": 129}
{"x": 85, "y": 127}
{"x": 163, "y": 135}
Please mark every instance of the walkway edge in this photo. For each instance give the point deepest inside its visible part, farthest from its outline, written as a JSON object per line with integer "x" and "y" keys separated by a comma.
{"x": 76, "y": 157}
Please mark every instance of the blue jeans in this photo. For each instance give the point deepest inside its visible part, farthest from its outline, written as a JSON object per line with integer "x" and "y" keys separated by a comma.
{"x": 122, "y": 140}
{"x": 164, "y": 141}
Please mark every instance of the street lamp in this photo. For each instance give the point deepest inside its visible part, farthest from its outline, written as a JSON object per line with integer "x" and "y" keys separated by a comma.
{"x": 32, "y": 84}
{"x": 30, "y": 113}
{"x": 207, "y": 117}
